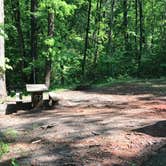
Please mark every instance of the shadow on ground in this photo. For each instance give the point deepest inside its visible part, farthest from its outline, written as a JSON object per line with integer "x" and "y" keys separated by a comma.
{"x": 158, "y": 159}
{"x": 156, "y": 88}
{"x": 156, "y": 130}
{"x": 60, "y": 149}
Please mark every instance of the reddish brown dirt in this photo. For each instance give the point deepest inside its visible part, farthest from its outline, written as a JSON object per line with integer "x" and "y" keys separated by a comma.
{"x": 121, "y": 125}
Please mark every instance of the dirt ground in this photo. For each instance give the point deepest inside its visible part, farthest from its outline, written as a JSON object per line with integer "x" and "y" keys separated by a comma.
{"x": 121, "y": 125}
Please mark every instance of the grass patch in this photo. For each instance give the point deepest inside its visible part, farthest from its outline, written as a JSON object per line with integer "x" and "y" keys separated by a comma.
{"x": 112, "y": 81}
{"x": 9, "y": 135}
{"x": 61, "y": 88}
{"x": 4, "y": 148}
{"x": 99, "y": 84}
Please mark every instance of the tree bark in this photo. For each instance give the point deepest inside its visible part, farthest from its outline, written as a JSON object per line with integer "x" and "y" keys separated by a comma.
{"x": 62, "y": 73}
{"x": 111, "y": 24}
{"x": 51, "y": 29}
{"x": 2, "y": 53}
{"x": 86, "y": 38}
{"x": 136, "y": 28}
{"x": 125, "y": 24}
{"x": 97, "y": 30}
{"x": 34, "y": 38}
{"x": 141, "y": 36}
{"x": 152, "y": 25}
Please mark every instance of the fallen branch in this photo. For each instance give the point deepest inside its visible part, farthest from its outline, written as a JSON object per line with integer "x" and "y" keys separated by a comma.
{"x": 35, "y": 142}
{"x": 48, "y": 126}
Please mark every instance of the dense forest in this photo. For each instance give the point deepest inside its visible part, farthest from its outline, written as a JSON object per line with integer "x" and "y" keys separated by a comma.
{"x": 83, "y": 82}
{"x": 65, "y": 42}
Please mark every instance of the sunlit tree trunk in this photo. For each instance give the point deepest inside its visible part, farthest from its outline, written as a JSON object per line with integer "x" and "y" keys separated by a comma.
{"x": 136, "y": 28}
{"x": 2, "y": 53}
{"x": 125, "y": 23}
{"x": 141, "y": 35}
{"x": 86, "y": 37}
{"x": 111, "y": 24}
{"x": 152, "y": 23}
{"x": 97, "y": 30}
{"x": 48, "y": 59}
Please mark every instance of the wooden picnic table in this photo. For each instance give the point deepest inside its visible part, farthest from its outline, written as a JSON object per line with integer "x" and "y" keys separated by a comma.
{"x": 36, "y": 91}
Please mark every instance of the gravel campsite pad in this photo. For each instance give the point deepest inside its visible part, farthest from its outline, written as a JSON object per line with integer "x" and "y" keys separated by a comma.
{"x": 120, "y": 125}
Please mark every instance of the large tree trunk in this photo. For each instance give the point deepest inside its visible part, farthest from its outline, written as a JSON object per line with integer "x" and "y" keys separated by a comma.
{"x": 2, "y": 53}
{"x": 33, "y": 37}
{"x": 86, "y": 38}
{"x": 48, "y": 59}
{"x": 17, "y": 16}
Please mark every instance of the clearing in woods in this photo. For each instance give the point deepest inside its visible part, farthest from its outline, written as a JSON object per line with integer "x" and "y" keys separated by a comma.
{"x": 123, "y": 124}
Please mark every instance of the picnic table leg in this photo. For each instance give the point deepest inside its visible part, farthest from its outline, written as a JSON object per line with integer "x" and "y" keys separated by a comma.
{"x": 37, "y": 99}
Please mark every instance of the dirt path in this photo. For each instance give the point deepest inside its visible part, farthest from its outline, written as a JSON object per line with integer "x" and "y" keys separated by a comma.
{"x": 120, "y": 125}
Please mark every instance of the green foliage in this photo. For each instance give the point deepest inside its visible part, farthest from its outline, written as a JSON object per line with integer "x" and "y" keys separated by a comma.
{"x": 66, "y": 48}
{"x": 2, "y": 32}
{"x": 4, "y": 148}
{"x": 2, "y": 71}
{"x": 5, "y": 67}
{"x": 14, "y": 162}
{"x": 59, "y": 7}
{"x": 10, "y": 134}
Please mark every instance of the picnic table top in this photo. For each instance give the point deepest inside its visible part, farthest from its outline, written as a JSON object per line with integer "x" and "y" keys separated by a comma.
{"x": 36, "y": 88}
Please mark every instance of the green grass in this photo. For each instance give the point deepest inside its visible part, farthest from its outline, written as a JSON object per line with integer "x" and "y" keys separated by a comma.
{"x": 63, "y": 88}
{"x": 4, "y": 148}
{"x": 104, "y": 83}
{"x": 10, "y": 133}
{"x": 111, "y": 81}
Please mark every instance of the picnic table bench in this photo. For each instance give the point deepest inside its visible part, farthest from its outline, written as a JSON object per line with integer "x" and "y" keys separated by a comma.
{"x": 36, "y": 91}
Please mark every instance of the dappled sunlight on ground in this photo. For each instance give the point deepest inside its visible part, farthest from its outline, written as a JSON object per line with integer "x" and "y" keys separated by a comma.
{"x": 92, "y": 127}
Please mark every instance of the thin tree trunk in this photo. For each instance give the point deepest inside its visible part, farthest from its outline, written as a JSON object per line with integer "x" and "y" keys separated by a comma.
{"x": 34, "y": 38}
{"x": 17, "y": 16}
{"x": 97, "y": 32}
{"x": 86, "y": 38}
{"x": 152, "y": 25}
{"x": 162, "y": 36}
{"x": 95, "y": 20}
{"x": 62, "y": 73}
{"x": 111, "y": 24}
{"x": 125, "y": 24}
{"x": 2, "y": 53}
{"x": 136, "y": 28}
{"x": 141, "y": 36}
{"x": 51, "y": 29}
{"x": 96, "y": 26}
{"x": 163, "y": 31}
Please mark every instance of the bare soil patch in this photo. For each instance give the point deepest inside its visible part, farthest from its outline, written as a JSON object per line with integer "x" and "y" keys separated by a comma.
{"x": 121, "y": 125}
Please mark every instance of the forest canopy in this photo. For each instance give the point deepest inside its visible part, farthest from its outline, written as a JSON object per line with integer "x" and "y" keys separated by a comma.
{"x": 70, "y": 41}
